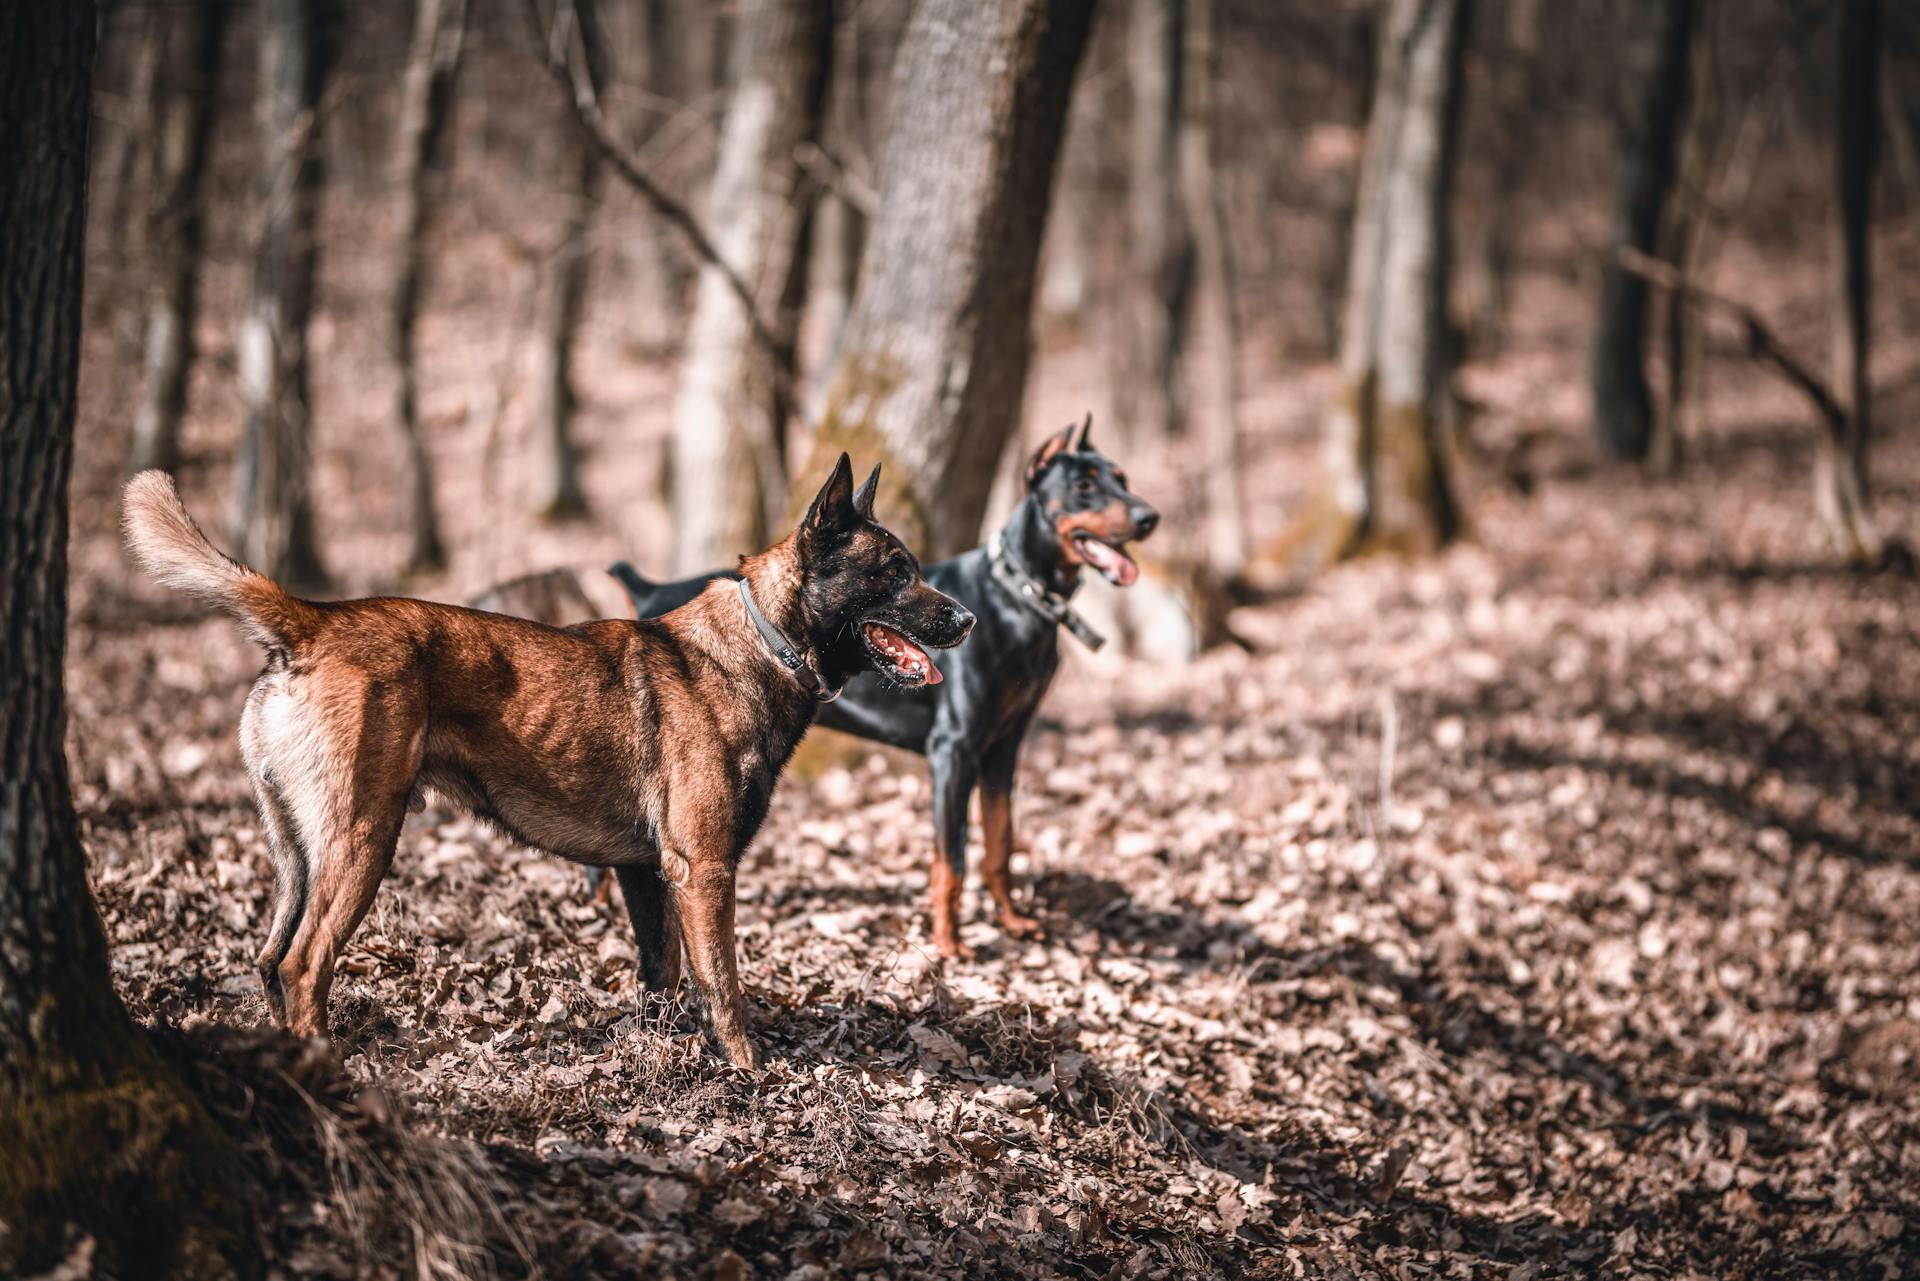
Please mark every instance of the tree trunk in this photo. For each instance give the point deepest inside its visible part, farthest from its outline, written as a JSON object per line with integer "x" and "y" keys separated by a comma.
{"x": 175, "y": 227}
{"x": 1385, "y": 453}
{"x": 1840, "y": 479}
{"x": 426, "y": 112}
{"x": 1514, "y": 81}
{"x": 839, "y": 224}
{"x": 273, "y": 513}
{"x": 642, "y": 64}
{"x": 728, "y": 423}
{"x": 1211, "y": 296}
{"x": 932, "y": 373}
{"x": 1649, "y": 146}
{"x": 100, "y": 1140}
{"x": 121, "y": 178}
{"x": 1160, "y": 244}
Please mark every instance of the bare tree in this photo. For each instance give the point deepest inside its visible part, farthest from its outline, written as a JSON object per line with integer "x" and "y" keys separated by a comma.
{"x": 120, "y": 171}
{"x": 557, "y": 494}
{"x": 642, "y": 42}
{"x": 272, "y": 511}
{"x": 426, "y": 113}
{"x": 1211, "y": 296}
{"x": 933, "y": 369}
{"x": 101, "y": 1141}
{"x": 1649, "y": 150}
{"x": 188, "y": 81}
{"x": 1840, "y": 493}
{"x": 729, "y": 415}
{"x": 1515, "y": 84}
{"x": 1159, "y": 241}
{"x": 1385, "y": 453}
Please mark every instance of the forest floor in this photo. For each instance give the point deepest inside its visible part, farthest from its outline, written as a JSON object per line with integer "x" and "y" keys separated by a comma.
{"x": 1548, "y": 907}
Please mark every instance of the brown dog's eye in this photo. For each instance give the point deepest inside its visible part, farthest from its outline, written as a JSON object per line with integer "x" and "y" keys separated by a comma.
{"x": 1120, "y": 479}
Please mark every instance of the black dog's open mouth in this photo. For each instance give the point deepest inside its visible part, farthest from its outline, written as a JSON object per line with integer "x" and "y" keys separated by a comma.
{"x": 1114, "y": 565}
{"x": 899, "y": 655}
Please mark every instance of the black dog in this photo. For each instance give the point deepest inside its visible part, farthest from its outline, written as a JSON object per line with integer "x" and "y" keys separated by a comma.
{"x": 1078, "y": 511}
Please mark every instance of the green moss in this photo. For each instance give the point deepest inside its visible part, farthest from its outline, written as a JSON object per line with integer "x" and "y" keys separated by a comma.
{"x": 1412, "y": 510}
{"x": 130, "y": 1160}
{"x": 861, "y": 389}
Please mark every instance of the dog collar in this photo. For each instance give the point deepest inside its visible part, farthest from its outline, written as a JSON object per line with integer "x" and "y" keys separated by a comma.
{"x": 783, "y": 649}
{"x": 1036, "y": 595}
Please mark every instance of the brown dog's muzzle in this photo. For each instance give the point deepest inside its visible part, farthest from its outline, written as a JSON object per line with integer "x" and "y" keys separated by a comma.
{"x": 923, "y": 619}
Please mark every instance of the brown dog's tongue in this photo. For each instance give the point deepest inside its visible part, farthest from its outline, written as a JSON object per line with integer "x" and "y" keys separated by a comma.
{"x": 908, "y": 658}
{"x": 1115, "y": 564}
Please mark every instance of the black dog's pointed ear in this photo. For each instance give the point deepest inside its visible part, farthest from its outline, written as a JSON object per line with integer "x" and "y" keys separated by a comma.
{"x": 863, "y": 498}
{"x": 1050, "y": 448}
{"x": 832, "y": 507}
{"x": 1086, "y": 430}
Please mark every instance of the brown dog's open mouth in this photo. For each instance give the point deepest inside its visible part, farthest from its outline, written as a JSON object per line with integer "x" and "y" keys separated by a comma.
{"x": 1115, "y": 565}
{"x": 909, "y": 663}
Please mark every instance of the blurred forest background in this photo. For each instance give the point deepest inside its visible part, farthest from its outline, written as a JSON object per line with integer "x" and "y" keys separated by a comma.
{"x": 368, "y": 257}
{"x": 1536, "y": 898}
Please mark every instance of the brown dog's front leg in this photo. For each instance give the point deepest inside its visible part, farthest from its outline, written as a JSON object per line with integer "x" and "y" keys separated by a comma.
{"x": 704, "y": 898}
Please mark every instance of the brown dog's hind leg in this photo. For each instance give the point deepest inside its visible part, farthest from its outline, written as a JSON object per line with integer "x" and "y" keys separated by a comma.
{"x": 996, "y": 822}
{"x": 289, "y": 889}
{"x": 360, "y": 761}
{"x": 656, "y": 927}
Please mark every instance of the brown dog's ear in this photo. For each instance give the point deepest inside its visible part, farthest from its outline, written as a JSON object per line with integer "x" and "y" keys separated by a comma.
{"x": 1086, "y": 430}
{"x": 863, "y": 498}
{"x": 1050, "y": 448}
{"x": 832, "y": 507}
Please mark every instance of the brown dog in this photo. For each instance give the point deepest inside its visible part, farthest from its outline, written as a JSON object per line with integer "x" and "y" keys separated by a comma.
{"x": 615, "y": 743}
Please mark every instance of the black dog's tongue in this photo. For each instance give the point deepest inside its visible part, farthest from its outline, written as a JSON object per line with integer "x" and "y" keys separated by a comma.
{"x": 908, "y": 658}
{"x": 1114, "y": 564}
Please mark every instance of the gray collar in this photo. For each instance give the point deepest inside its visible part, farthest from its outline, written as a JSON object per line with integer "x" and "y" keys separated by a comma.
{"x": 783, "y": 649}
{"x": 1036, "y": 595}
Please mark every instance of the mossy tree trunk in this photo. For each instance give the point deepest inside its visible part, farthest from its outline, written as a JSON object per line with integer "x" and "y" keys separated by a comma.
{"x": 1649, "y": 152}
{"x": 188, "y": 82}
{"x": 933, "y": 369}
{"x": 273, "y": 510}
{"x": 729, "y": 416}
{"x": 100, "y": 1141}
{"x": 1211, "y": 297}
{"x": 1840, "y": 477}
{"x": 1386, "y": 460}
{"x": 426, "y": 117}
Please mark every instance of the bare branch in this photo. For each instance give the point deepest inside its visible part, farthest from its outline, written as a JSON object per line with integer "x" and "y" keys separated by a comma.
{"x": 1762, "y": 344}
{"x": 586, "y": 110}
{"x": 833, "y": 173}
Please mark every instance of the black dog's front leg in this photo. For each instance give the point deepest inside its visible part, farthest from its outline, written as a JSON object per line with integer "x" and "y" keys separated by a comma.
{"x": 656, "y": 928}
{"x": 955, "y": 767}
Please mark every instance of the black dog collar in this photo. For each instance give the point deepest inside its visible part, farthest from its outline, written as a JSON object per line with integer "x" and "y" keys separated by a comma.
{"x": 783, "y": 650}
{"x": 1036, "y": 595}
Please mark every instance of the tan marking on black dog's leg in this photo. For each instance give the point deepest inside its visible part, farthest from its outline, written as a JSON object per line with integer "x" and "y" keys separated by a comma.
{"x": 996, "y": 823}
{"x": 705, "y": 904}
{"x": 954, "y": 772}
{"x": 944, "y": 906}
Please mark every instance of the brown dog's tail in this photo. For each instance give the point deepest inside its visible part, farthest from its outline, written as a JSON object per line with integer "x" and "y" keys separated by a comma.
{"x": 169, "y": 546}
